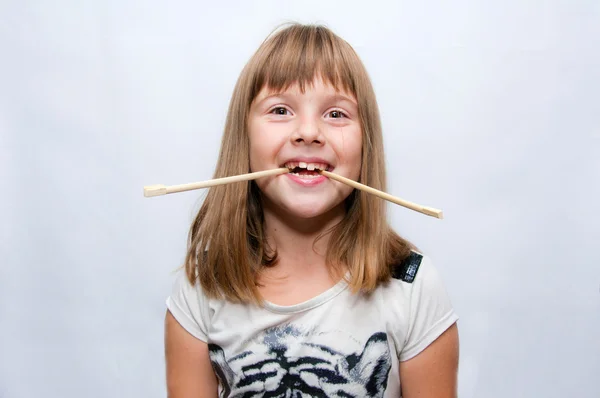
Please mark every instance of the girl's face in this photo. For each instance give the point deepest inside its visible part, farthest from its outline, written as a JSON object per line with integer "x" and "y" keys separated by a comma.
{"x": 316, "y": 129}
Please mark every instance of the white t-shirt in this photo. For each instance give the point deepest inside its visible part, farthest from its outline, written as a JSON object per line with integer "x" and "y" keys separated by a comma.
{"x": 337, "y": 344}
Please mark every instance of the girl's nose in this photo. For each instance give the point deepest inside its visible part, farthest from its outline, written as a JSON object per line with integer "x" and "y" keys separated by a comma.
{"x": 308, "y": 132}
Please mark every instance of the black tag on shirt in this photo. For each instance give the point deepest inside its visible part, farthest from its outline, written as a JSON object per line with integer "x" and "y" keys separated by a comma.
{"x": 407, "y": 270}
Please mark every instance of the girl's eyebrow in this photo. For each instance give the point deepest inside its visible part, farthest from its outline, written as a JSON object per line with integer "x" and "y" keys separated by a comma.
{"x": 274, "y": 94}
{"x": 342, "y": 97}
{"x": 268, "y": 96}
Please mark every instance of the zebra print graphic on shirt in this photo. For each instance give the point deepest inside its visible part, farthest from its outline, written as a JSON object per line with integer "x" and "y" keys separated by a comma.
{"x": 285, "y": 362}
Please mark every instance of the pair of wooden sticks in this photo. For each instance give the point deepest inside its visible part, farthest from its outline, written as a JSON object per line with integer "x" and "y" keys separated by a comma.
{"x": 157, "y": 190}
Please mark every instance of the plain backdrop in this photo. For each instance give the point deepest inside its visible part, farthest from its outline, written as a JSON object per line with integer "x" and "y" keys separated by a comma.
{"x": 490, "y": 112}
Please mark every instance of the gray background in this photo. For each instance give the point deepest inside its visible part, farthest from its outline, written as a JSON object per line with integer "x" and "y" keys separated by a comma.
{"x": 490, "y": 112}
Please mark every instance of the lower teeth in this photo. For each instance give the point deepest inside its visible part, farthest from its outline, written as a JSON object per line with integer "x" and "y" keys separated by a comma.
{"x": 306, "y": 175}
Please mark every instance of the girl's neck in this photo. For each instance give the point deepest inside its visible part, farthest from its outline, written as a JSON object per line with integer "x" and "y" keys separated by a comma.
{"x": 295, "y": 239}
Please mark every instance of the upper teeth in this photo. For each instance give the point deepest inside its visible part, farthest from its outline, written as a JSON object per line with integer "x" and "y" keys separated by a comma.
{"x": 308, "y": 166}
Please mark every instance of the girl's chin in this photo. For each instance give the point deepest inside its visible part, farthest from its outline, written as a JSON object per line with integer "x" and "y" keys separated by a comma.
{"x": 309, "y": 210}
{"x": 301, "y": 205}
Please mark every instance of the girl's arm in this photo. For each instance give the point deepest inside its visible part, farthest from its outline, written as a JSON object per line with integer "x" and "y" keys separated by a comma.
{"x": 189, "y": 371}
{"x": 433, "y": 373}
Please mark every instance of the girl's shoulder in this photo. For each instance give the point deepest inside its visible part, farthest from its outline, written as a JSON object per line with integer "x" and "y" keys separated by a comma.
{"x": 189, "y": 305}
{"x": 417, "y": 303}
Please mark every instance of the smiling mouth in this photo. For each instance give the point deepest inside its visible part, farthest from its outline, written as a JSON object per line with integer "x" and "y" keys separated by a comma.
{"x": 304, "y": 169}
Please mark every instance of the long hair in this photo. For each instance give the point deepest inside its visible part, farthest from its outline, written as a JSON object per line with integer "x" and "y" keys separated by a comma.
{"x": 227, "y": 247}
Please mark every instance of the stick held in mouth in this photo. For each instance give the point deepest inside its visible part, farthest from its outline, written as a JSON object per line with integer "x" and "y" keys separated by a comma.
{"x": 157, "y": 190}
{"x": 413, "y": 206}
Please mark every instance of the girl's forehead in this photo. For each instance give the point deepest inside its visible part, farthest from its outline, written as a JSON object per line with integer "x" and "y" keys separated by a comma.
{"x": 297, "y": 88}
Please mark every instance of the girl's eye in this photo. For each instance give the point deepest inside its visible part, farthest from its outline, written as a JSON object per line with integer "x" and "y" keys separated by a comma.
{"x": 280, "y": 110}
{"x": 336, "y": 114}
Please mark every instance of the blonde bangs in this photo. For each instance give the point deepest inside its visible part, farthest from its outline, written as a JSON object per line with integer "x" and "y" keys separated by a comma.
{"x": 299, "y": 54}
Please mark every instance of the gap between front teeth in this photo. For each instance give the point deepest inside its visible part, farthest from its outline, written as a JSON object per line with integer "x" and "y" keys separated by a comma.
{"x": 307, "y": 166}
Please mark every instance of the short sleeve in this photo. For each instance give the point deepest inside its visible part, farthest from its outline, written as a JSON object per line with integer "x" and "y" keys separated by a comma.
{"x": 187, "y": 304}
{"x": 430, "y": 311}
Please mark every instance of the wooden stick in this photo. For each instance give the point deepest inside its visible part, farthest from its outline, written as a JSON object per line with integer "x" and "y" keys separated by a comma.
{"x": 413, "y": 206}
{"x": 157, "y": 190}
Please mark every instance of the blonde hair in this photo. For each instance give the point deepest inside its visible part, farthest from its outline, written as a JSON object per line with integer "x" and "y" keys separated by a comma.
{"x": 227, "y": 246}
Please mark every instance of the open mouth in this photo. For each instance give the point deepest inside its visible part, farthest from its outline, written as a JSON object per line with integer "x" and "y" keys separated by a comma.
{"x": 304, "y": 169}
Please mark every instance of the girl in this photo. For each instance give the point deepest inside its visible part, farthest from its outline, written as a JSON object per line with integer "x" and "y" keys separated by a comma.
{"x": 295, "y": 285}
